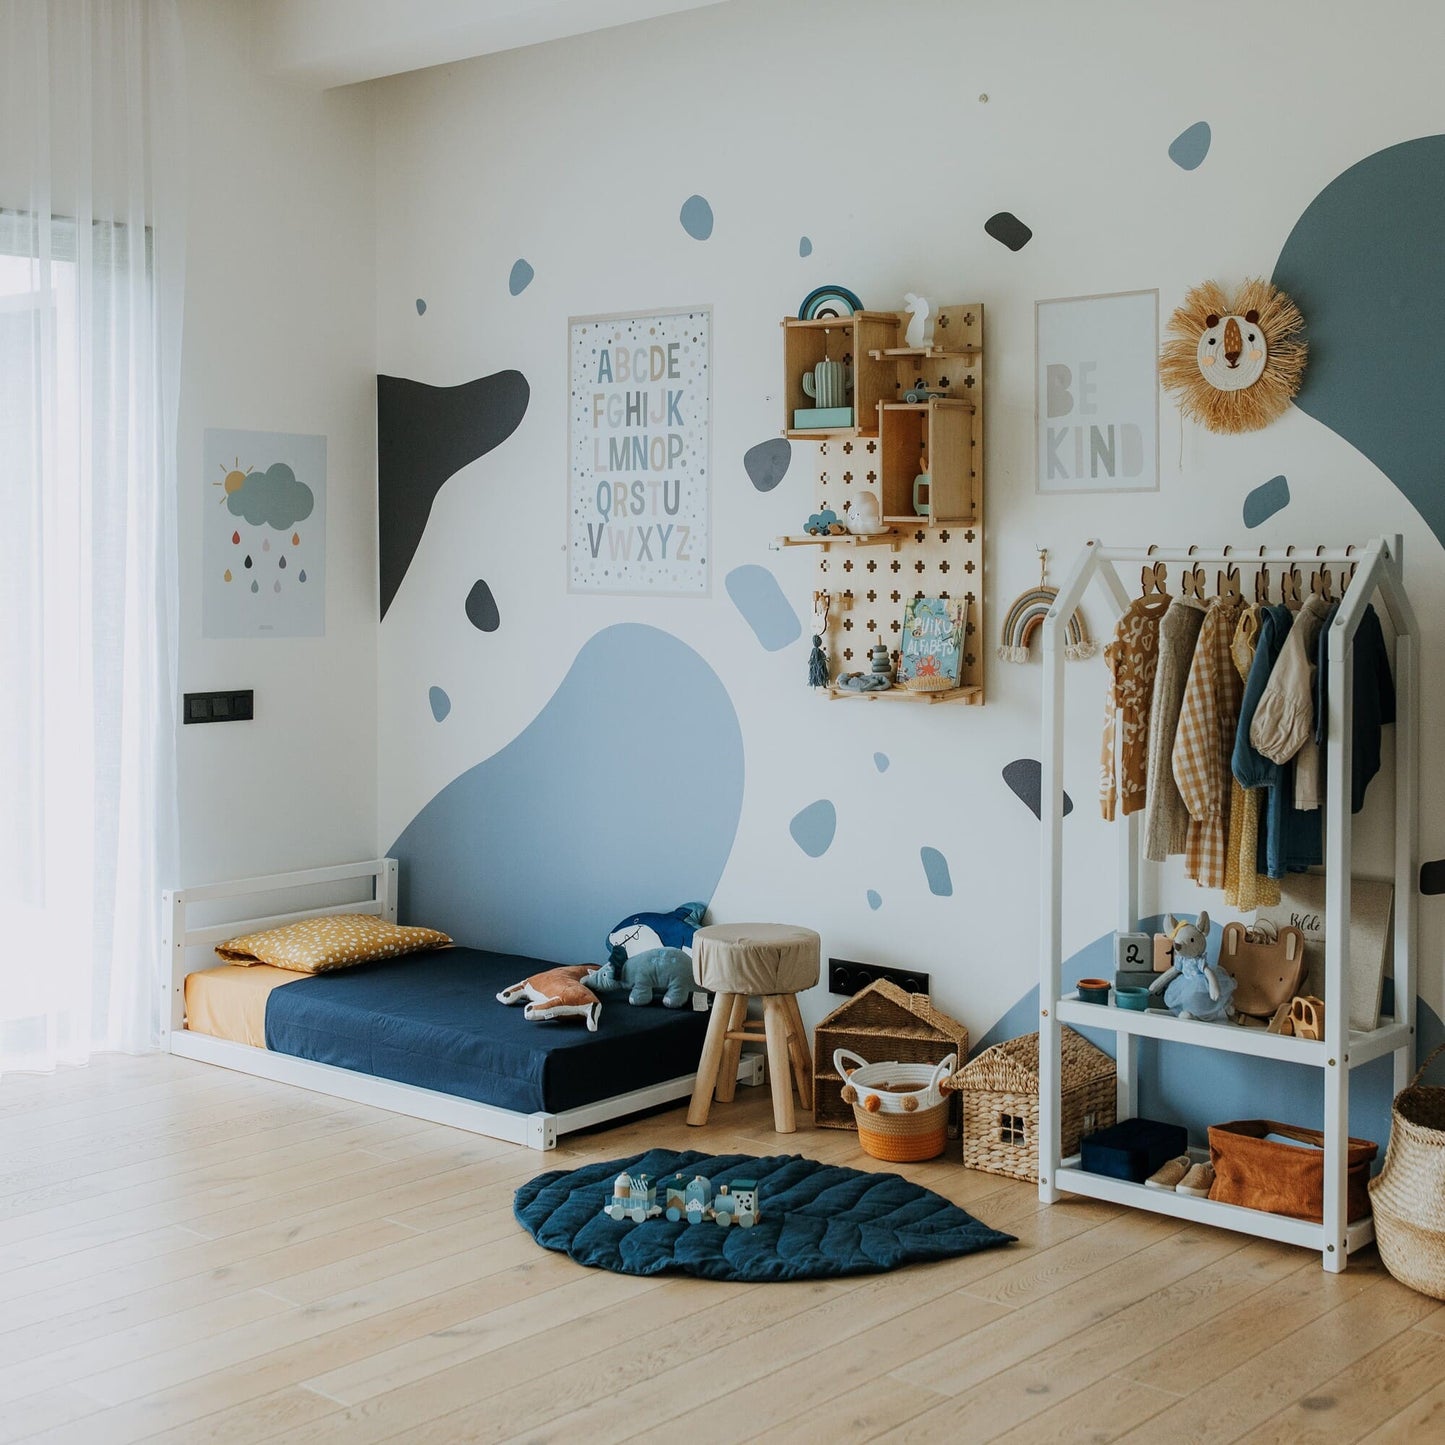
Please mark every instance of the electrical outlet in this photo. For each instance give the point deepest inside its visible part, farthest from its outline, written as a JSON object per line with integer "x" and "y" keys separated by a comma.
{"x": 213, "y": 707}
{"x": 847, "y": 977}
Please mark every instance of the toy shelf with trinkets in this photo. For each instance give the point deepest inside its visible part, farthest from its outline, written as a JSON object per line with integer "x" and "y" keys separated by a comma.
{"x": 892, "y": 442}
{"x": 1343, "y": 1049}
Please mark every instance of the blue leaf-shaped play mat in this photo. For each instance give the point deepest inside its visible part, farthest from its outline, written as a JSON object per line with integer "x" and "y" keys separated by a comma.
{"x": 818, "y": 1220}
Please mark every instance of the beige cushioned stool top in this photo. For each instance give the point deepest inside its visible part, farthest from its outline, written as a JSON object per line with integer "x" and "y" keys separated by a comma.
{"x": 755, "y": 958}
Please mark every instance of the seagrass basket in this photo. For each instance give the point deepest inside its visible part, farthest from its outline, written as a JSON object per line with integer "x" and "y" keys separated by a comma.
{"x": 1408, "y": 1195}
{"x": 1000, "y": 1093}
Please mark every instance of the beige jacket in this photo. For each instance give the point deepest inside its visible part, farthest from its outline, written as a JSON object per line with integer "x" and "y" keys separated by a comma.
{"x": 1166, "y": 820}
{"x": 1285, "y": 718}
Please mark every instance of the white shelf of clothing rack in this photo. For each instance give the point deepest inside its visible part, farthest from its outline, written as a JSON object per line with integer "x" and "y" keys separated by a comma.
{"x": 1342, "y": 1049}
{"x": 1157, "y": 1024}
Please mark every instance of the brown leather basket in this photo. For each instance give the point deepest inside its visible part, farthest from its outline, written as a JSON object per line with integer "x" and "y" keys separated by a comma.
{"x": 1283, "y": 1178}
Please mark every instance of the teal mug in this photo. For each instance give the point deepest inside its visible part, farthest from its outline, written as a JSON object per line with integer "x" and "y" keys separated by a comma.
{"x": 829, "y": 383}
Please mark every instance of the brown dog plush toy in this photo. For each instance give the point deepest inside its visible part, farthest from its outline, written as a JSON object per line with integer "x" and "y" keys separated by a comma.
{"x": 557, "y": 993}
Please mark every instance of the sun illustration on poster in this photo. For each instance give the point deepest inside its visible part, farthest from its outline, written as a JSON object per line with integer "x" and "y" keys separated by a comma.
{"x": 235, "y": 479}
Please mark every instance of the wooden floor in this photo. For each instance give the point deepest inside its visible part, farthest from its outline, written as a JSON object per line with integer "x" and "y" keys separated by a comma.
{"x": 194, "y": 1257}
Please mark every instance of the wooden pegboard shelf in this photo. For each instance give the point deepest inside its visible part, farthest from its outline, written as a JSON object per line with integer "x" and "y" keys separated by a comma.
{"x": 940, "y": 555}
{"x": 845, "y": 539}
{"x": 969, "y": 696}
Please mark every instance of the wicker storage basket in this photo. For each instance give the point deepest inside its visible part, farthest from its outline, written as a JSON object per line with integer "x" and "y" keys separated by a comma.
{"x": 1000, "y": 1092}
{"x": 1409, "y": 1193}
{"x": 901, "y": 1109}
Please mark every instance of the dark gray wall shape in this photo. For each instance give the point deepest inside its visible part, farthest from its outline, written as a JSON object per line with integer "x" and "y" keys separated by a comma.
{"x": 767, "y": 463}
{"x": 1363, "y": 264}
{"x": 1432, "y": 876}
{"x": 424, "y": 435}
{"x": 482, "y": 608}
{"x": 1025, "y": 777}
{"x": 1006, "y": 228}
{"x": 1265, "y": 500}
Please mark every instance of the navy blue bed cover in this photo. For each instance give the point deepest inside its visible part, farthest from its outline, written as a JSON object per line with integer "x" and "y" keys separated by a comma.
{"x": 432, "y": 1019}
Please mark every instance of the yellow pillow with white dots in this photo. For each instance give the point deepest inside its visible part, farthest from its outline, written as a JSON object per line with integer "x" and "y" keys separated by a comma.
{"x": 321, "y": 945}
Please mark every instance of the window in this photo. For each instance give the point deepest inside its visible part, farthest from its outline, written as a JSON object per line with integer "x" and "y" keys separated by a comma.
{"x": 1012, "y": 1129}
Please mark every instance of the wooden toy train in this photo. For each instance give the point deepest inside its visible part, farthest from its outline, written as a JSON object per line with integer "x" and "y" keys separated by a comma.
{"x": 635, "y": 1197}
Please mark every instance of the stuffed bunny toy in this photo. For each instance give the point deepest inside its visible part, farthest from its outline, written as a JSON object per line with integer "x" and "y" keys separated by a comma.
{"x": 659, "y": 970}
{"x": 1194, "y": 988}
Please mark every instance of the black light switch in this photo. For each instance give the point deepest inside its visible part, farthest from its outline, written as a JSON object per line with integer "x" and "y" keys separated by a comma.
{"x": 209, "y": 707}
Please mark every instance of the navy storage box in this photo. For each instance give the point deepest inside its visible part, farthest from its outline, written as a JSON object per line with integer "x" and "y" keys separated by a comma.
{"x": 1133, "y": 1149}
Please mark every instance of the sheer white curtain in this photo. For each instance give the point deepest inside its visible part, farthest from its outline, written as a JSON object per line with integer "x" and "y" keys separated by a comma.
{"x": 91, "y": 271}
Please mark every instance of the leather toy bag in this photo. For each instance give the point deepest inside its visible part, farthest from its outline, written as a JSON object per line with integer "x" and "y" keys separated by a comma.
{"x": 1283, "y": 1178}
{"x": 1267, "y": 974}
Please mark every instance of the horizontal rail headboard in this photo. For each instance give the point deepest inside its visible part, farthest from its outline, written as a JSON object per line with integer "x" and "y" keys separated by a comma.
{"x": 179, "y": 935}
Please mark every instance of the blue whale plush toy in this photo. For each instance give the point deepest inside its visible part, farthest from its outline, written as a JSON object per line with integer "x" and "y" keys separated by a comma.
{"x": 651, "y": 953}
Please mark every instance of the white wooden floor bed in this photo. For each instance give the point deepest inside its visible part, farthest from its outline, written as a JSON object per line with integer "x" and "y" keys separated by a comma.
{"x": 190, "y": 944}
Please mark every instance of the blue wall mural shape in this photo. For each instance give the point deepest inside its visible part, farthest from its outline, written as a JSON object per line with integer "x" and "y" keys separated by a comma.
{"x": 425, "y": 435}
{"x": 623, "y": 793}
{"x": 1363, "y": 264}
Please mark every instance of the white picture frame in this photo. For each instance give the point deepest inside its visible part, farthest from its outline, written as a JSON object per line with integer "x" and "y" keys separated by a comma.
{"x": 1096, "y": 393}
{"x": 653, "y": 536}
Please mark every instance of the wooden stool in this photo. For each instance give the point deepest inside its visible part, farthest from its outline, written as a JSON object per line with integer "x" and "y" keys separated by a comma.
{"x": 739, "y": 961}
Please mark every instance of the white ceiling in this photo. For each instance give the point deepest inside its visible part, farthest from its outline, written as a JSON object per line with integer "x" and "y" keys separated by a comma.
{"x": 339, "y": 42}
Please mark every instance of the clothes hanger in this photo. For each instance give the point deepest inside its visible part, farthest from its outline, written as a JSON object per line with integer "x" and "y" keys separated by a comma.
{"x": 1289, "y": 584}
{"x": 1320, "y": 583}
{"x": 1347, "y": 577}
{"x": 1154, "y": 578}
{"x": 1191, "y": 580}
{"x": 1226, "y": 583}
{"x": 1261, "y": 583}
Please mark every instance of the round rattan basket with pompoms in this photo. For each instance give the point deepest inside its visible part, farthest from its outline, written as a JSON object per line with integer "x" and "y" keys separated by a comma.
{"x": 901, "y": 1109}
{"x": 1408, "y": 1194}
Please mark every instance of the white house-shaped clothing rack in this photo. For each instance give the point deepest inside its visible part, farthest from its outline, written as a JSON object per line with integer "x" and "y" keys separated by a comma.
{"x": 1342, "y": 1049}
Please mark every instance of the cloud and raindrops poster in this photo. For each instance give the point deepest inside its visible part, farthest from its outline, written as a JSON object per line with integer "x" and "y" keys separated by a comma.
{"x": 639, "y": 440}
{"x": 263, "y": 546}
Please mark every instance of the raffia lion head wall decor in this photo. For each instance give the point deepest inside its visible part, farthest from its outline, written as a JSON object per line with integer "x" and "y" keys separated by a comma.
{"x": 1234, "y": 363}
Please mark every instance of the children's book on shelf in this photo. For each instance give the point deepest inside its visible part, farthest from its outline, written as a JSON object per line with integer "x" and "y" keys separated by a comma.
{"x": 932, "y": 653}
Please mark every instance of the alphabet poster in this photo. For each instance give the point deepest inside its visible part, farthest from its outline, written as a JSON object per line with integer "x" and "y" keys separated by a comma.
{"x": 263, "y": 542}
{"x": 1096, "y": 408}
{"x": 639, "y": 441}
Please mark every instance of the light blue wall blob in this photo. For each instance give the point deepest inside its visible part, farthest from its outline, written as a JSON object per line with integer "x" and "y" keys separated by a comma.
{"x": 622, "y": 794}
{"x": 880, "y": 761}
{"x": 441, "y": 704}
{"x": 875, "y": 899}
{"x": 935, "y": 869}
{"x": 1199, "y": 1087}
{"x": 756, "y": 594}
{"x": 1188, "y": 149}
{"x": 805, "y": 246}
{"x": 813, "y": 827}
{"x": 420, "y": 307}
{"x": 1265, "y": 500}
{"x": 521, "y": 276}
{"x": 696, "y": 218}
{"x": 767, "y": 463}
{"x": 1363, "y": 265}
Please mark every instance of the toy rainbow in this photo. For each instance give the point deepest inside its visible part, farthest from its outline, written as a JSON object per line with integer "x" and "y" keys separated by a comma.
{"x": 1023, "y": 620}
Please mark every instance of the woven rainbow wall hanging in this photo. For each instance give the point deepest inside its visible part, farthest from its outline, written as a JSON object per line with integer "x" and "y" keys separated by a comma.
{"x": 1027, "y": 614}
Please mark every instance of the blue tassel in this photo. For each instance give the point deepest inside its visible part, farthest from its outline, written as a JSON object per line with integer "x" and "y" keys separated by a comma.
{"x": 817, "y": 664}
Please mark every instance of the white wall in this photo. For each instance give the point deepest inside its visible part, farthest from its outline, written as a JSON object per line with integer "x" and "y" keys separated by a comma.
{"x": 279, "y": 336}
{"x": 577, "y": 156}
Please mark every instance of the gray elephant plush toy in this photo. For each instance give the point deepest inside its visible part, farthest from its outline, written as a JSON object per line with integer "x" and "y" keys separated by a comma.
{"x": 657, "y": 970}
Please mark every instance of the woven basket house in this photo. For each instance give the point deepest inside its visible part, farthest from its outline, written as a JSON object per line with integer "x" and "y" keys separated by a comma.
{"x": 882, "y": 1023}
{"x": 1000, "y": 1093}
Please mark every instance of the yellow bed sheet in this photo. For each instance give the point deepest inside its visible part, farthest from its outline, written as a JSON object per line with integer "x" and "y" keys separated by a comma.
{"x": 230, "y": 1002}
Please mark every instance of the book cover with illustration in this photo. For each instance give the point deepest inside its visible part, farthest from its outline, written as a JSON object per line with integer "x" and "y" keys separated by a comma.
{"x": 932, "y": 653}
